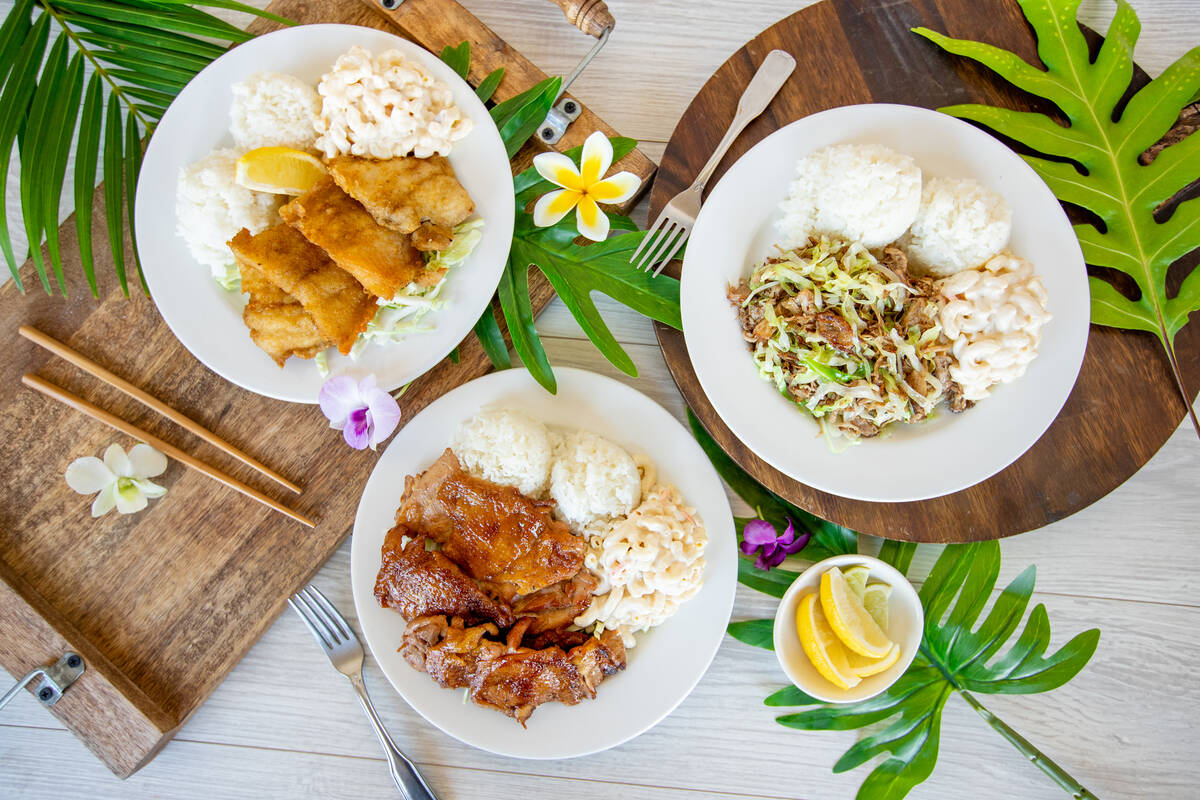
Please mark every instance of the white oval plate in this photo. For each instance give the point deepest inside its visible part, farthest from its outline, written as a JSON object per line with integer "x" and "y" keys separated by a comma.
{"x": 206, "y": 319}
{"x": 736, "y": 229}
{"x": 668, "y": 660}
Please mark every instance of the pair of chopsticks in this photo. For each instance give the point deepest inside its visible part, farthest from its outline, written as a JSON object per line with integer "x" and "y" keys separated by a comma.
{"x": 56, "y": 392}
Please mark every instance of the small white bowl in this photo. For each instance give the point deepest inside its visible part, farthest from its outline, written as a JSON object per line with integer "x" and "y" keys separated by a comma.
{"x": 906, "y": 621}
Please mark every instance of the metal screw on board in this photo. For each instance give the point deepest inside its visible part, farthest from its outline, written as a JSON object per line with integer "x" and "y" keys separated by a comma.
{"x": 45, "y": 694}
{"x": 52, "y": 680}
{"x": 390, "y": 4}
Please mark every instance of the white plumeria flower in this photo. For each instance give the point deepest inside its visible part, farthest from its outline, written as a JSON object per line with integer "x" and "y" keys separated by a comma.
{"x": 120, "y": 479}
{"x": 582, "y": 187}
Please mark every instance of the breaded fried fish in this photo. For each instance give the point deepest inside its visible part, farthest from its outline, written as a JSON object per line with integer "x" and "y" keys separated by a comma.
{"x": 401, "y": 193}
{"x": 383, "y": 260}
{"x": 278, "y": 324}
{"x": 339, "y": 305}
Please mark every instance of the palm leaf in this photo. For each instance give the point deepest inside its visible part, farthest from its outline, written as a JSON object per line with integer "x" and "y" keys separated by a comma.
{"x": 143, "y": 52}
{"x": 1093, "y": 161}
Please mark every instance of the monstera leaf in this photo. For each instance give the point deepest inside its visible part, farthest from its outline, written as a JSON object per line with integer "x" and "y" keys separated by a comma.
{"x": 1093, "y": 161}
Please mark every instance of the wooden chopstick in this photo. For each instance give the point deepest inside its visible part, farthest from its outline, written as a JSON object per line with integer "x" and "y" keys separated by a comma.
{"x": 95, "y": 412}
{"x": 91, "y": 367}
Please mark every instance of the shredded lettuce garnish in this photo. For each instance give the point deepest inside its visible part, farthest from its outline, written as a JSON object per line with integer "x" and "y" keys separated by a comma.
{"x": 228, "y": 277}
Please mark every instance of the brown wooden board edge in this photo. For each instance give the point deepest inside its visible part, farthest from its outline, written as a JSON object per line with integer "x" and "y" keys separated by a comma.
{"x": 106, "y": 710}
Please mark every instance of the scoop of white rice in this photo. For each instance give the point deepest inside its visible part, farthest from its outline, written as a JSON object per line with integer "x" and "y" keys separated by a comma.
{"x": 505, "y": 446}
{"x": 960, "y": 225}
{"x": 271, "y": 109}
{"x": 210, "y": 208}
{"x": 862, "y": 192}
{"x": 593, "y": 479}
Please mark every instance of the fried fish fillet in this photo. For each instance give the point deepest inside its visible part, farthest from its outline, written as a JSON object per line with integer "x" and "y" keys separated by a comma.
{"x": 339, "y": 305}
{"x": 401, "y": 193}
{"x": 383, "y": 260}
{"x": 278, "y": 324}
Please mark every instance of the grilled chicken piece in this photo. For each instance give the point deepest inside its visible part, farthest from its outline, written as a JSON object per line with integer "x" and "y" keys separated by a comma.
{"x": 516, "y": 683}
{"x": 493, "y": 532}
{"x": 557, "y": 606}
{"x": 278, "y": 324}
{"x": 382, "y": 260}
{"x": 418, "y": 583}
{"x": 339, "y": 306}
{"x": 449, "y": 651}
{"x": 401, "y": 193}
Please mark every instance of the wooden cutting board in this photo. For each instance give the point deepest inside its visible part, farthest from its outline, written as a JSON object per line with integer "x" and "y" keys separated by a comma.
{"x": 162, "y": 604}
{"x": 1124, "y": 405}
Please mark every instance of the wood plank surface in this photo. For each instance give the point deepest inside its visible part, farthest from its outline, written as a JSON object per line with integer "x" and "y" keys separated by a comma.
{"x": 283, "y": 726}
{"x": 859, "y": 51}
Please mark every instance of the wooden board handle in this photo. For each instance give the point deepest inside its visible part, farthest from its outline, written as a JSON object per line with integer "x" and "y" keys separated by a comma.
{"x": 590, "y": 16}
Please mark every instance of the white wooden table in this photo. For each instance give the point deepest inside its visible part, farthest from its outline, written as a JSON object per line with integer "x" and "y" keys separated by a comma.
{"x": 285, "y": 724}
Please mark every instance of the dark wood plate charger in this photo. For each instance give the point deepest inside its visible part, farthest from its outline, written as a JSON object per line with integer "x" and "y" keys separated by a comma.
{"x": 1124, "y": 405}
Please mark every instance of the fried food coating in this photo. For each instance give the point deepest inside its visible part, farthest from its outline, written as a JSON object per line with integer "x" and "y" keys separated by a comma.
{"x": 401, "y": 193}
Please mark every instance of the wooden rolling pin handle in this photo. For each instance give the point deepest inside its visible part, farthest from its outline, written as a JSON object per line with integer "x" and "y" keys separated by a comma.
{"x": 590, "y": 16}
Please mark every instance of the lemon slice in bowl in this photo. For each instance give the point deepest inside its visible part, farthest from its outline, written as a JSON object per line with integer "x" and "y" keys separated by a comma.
{"x": 863, "y": 667}
{"x": 821, "y": 644}
{"x": 849, "y": 618}
{"x": 279, "y": 170}
{"x": 856, "y": 577}
{"x": 875, "y": 599}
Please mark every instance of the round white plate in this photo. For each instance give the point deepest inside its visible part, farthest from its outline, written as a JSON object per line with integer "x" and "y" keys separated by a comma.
{"x": 736, "y": 229}
{"x": 206, "y": 319}
{"x": 668, "y": 660}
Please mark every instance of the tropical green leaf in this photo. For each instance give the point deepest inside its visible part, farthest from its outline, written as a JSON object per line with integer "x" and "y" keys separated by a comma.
{"x": 19, "y": 86}
{"x": 1103, "y": 143}
{"x": 958, "y": 654}
{"x": 163, "y": 19}
{"x": 774, "y": 582}
{"x": 520, "y": 120}
{"x": 518, "y": 314}
{"x": 488, "y": 86}
{"x": 31, "y": 143}
{"x": 113, "y": 181}
{"x": 458, "y": 58}
{"x": 898, "y": 554}
{"x": 87, "y": 149}
{"x": 755, "y": 632}
{"x": 492, "y": 340}
{"x": 60, "y": 130}
{"x": 133, "y": 163}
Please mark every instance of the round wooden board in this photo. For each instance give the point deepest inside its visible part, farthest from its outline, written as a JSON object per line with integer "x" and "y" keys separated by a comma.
{"x": 1124, "y": 405}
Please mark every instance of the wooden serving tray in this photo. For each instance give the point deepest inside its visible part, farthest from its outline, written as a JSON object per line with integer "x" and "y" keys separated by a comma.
{"x": 162, "y": 604}
{"x": 1124, "y": 405}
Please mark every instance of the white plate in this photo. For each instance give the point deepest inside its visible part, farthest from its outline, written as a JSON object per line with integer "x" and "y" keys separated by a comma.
{"x": 668, "y": 660}
{"x": 206, "y": 319}
{"x": 736, "y": 229}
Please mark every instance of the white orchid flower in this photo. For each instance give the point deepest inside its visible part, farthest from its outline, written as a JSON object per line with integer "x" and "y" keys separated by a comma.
{"x": 120, "y": 479}
{"x": 583, "y": 187}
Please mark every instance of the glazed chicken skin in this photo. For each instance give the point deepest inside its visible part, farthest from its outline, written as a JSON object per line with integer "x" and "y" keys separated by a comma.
{"x": 493, "y": 532}
{"x": 419, "y": 582}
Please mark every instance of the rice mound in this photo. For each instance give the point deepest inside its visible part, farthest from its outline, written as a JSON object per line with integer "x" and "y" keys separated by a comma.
{"x": 960, "y": 225}
{"x": 507, "y": 447}
{"x": 593, "y": 479}
{"x": 861, "y": 192}
{"x": 271, "y": 109}
{"x": 210, "y": 208}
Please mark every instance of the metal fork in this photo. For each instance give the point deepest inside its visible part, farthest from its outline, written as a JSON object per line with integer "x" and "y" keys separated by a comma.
{"x": 674, "y": 223}
{"x": 337, "y": 639}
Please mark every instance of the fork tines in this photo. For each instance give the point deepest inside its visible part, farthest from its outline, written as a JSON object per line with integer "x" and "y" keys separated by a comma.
{"x": 666, "y": 237}
{"x": 327, "y": 625}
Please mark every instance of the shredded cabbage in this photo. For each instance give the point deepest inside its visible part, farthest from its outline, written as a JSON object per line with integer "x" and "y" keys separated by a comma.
{"x": 827, "y": 325}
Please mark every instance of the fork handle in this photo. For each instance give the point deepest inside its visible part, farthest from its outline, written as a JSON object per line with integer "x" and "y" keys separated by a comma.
{"x": 766, "y": 83}
{"x": 410, "y": 783}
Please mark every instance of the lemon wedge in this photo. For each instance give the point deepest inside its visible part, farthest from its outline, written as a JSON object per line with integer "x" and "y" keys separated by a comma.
{"x": 278, "y": 170}
{"x": 875, "y": 600}
{"x": 849, "y": 618}
{"x": 863, "y": 667}
{"x": 821, "y": 645}
{"x": 856, "y": 577}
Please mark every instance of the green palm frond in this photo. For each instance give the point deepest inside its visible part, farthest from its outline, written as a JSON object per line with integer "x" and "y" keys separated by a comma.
{"x": 140, "y": 53}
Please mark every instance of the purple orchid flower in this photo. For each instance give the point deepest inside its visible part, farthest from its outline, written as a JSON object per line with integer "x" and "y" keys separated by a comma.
{"x": 364, "y": 413}
{"x": 759, "y": 537}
